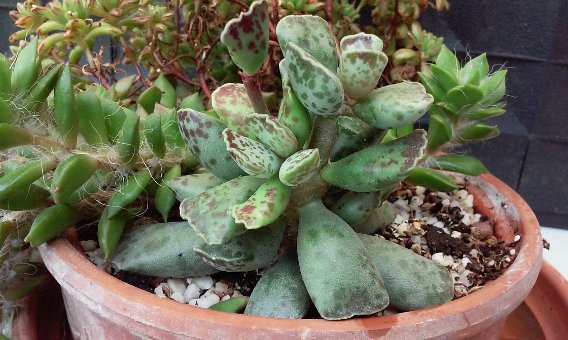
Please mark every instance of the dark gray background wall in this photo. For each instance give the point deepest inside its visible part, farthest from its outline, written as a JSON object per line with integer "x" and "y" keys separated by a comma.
{"x": 531, "y": 39}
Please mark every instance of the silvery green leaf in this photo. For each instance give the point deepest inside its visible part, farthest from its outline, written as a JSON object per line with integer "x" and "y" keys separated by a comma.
{"x": 360, "y": 71}
{"x": 318, "y": 89}
{"x": 273, "y": 134}
{"x": 252, "y": 157}
{"x": 361, "y": 42}
{"x": 299, "y": 167}
{"x": 233, "y": 105}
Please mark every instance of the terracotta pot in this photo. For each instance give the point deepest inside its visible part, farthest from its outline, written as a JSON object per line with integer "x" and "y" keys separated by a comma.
{"x": 100, "y": 306}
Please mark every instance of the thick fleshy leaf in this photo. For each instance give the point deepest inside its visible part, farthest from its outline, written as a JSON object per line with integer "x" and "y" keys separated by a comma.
{"x": 299, "y": 167}
{"x": 360, "y": 71}
{"x": 432, "y": 87}
{"x": 353, "y": 134}
{"x": 377, "y": 219}
{"x": 477, "y": 132}
{"x": 294, "y": 115}
{"x": 494, "y": 88}
{"x": 264, "y": 206}
{"x": 246, "y": 37}
{"x": 432, "y": 179}
{"x": 445, "y": 79}
{"x": 273, "y": 134}
{"x": 337, "y": 271}
{"x": 394, "y": 105}
{"x": 360, "y": 41}
{"x": 204, "y": 137}
{"x": 318, "y": 89}
{"x": 378, "y": 166}
{"x": 251, "y": 156}
{"x": 311, "y": 34}
{"x": 448, "y": 61}
{"x": 353, "y": 207}
{"x": 477, "y": 65}
{"x": 252, "y": 250}
{"x": 458, "y": 163}
{"x": 161, "y": 250}
{"x": 209, "y": 213}
{"x": 233, "y": 105}
{"x": 464, "y": 96}
{"x": 412, "y": 281}
{"x": 192, "y": 185}
{"x": 439, "y": 131}
{"x": 280, "y": 292}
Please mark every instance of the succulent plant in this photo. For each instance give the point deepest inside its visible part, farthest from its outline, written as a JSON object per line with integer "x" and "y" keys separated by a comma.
{"x": 312, "y": 182}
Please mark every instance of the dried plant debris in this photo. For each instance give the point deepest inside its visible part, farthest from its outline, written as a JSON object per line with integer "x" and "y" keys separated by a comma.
{"x": 446, "y": 228}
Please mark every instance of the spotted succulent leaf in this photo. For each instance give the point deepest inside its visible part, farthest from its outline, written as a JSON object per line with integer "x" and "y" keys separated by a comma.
{"x": 203, "y": 136}
{"x": 360, "y": 41}
{"x": 192, "y": 185}
{"x": 246, "y": 37}
{"x": 378, "y": 166}
{"x": 394, "y": 105}
{"x": 264, "y": 206}
{"x": 253, "y": 157}
{"x": 273, "y": 134}
{"x": 318, "y": 89}
{"x": 233, "y": 105}
{"x": 299, "y": 167}
{"x": 209, "y": 213}
{"x": 294, "y": 115}
{"x": 310, "y": 33}
{"x": 252, "y": 250}
{"x": 353, "y": 134}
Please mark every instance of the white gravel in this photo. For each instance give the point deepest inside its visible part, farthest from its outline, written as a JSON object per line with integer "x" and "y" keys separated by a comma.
{"x": 201, "y": 291}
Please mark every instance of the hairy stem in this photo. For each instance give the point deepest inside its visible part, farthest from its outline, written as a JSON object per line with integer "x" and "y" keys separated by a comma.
{"x": 255, "y": 94}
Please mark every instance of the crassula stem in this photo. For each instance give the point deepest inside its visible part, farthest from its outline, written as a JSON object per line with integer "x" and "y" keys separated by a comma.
{"x": 254, "y": 92}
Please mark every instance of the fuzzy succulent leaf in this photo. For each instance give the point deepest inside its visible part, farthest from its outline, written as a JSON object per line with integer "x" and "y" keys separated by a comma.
{"x": 128, "y": 139}
{"x": 448, "y": 61}
{"x": 394, "y": 105}
{"x": 378, "y": 166}
{"x": 353, "y": 207}
{"x": 204, "y": 137}
{"x": 264, "y": 206}
{"x": 162, "y": 250}
{"x": 318, "y": 89}
{"x": 311, "y": 34}
{"x": 489, "y": 112}
{"x": 458, "y": 163}
{"x": 334, "y": 264}
{"x": 114, "y": 117}
{"x": 299, "y": 167}
{"x": 13, "y": 136}
{"x": 251, "y": 156}
{"x": 353, "y": 134}
{"x": 233, "y": 105}
{"x": 474, "y": 69}
{"x": 432, "y": 87}
{"x": 25, "y": 71}
{"x": 273, "y": 134}
{"x": 280, "y": 292}
{"x": 433, "y": 179}
{"x": 439, "y": 131}
{"x": 190, "y": 186}
{"x": 444, "y": 78}
{"x": 463, "y": 97}
{"x": 170, "y": 126}
{"x": 169, "y": 96}
{"x": 91, "y": 122}
{"x": 149, "y": 98}
{"x": 209, "y": 213}
{"x": 6, "y": 114}
{"x": 246, "y": 37}
{"x": 252, "y": 250}
{"x": 494, "y": 88}
{"x": 294, "y": 115}
{"x": 406, "y": 273}
{"x": 477, "y": 132}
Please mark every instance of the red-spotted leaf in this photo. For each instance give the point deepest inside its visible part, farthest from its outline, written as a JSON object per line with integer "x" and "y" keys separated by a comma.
{"x": 273, "y": 134}
{"x": 246, "y": 37}
{"x": 299, "y": 167}
{"x": 251, "y": 156}
{"x": 264, "y": 206}
{"x": 233, "y": 105}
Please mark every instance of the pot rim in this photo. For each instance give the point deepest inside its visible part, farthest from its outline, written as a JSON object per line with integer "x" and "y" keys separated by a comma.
{"x": 467, "y": 311}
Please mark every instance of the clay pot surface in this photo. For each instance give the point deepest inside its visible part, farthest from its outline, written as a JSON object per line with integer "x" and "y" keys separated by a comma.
{"x": 100, "y": 306}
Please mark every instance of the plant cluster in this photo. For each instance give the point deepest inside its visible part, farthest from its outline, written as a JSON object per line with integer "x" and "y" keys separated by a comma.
{"x": 308, "y": 184}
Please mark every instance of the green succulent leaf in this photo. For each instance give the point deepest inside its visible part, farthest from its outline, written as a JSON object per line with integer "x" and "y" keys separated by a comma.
{"x": 458, "y": 163}
{"x": 406, "y": 273}
{"x": 190, "y": 186}
{"x": 128, "y": 192}
{"x": 210, "y": 213}
{"x": 154, "y": 134}
{"x": 334, "y": 264}
{"x": 91, "y": 121}
{"x": 353, "y": 207}
{"x": 5, "y": 77}
{"x": 311, "y": 34}
{"x": 448, "y": 61}
{"x": 299, "y": 167}
{"x": 165, "y": 198}
{"x": 377, "y": 219}
{"x": 477, "y": 132}
{"x": 280, "y": 292}
{"x": 128, "y": 139}
{"x": 264, "y": 206}
{"x": 353, "y": 134}
{"x": 318, "y": 89}
{"x": 170, "y": 126}
{"x": 489, "y": 112}
{"x": 233, "y": 105}
{"x": 446, "y": 80}
{"x": 378, "y": 166}
{"x": 439, "y": 131}
{"x": 477, "y": 65}
{"x": 393, "y": 106}
{"x": 252, "y": 157}
{"x": 161, "y": 250}
{"x": 169, "y": 96}
{"x": 124, "y": 85}
{"x": 114, "y": 117}
{"x": 273, "y": 134}
{"x": 294, "y": 115}
{"x": 432, "y": 87}
{"x": 494, "y": 88}
{"x": 25, "y": 71}
{"x": 432, "y": 179}
{"x": 6, "y": 114}
{"x": 13, "y": 136}
{"x": 149, "y": 98}
{"x": 204, "y": 137}
{"x": 252, "y": 250}
{"x": 192, "y": 102}
{"x": 246, "y": 37}
{"x": 463, "y": 97}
